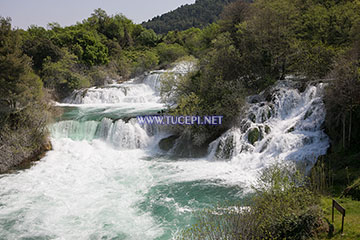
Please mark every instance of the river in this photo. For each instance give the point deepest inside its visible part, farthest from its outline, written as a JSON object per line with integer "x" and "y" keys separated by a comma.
{"x": 107, "y": 178}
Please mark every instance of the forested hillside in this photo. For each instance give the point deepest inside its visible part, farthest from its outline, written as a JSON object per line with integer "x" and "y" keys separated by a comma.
{"x": 198, "y": 15}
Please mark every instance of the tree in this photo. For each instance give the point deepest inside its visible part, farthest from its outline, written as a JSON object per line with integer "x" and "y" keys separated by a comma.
{"x": 168, "y": 53}
{"x": 39, "y": 46}
{"x": 148, "y": 38}
{"x": 85, "y": 44}
{"x": 233, "y": 14}
{"x": 24, "y": 114}
{"x": 197, "y": 15}
{"x": 63, "y": 75}
{"x": 343, "y": 99}
{"x": 19, "y": 85}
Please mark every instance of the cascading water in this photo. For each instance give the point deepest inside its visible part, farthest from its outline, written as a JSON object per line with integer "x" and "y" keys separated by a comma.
{"x": 289, "y": 127}
{"x": 129, "y": 92}
{"x": 107, "y": 179}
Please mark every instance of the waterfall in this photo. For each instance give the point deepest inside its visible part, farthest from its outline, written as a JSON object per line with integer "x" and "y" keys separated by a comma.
{"x": 153, "y": 80}
{"x": 108, "y": 179}
{"x": 143, "y": 89}
{"x": 120, "y": 134}
{"x": 129, "y": 92}
{"x": 286, "y": 127}
{"x": 141, "y": 93}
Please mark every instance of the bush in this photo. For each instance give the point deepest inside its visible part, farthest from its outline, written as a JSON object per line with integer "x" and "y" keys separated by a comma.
{"x": 148, "y": 38}
{"x": 353, "y": 190}
{"x": 123, "y": 65}
{"x": 146, "y": 60}
{"x": 168, "y": 53}
{"x": 281, "y": 208}
{"x": 64, "y": 75}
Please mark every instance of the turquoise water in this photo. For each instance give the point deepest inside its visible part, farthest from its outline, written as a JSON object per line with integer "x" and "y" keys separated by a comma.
{"x": 98, "y": 113}
{"x": 106, "y": 177}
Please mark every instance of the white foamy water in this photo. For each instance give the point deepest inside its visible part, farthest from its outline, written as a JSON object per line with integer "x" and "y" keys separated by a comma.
{"x": 81, "y": 190}
{"x": 129, "y": 92}
{"x": 107, "y": 179}
{"x": 287, "y": 129}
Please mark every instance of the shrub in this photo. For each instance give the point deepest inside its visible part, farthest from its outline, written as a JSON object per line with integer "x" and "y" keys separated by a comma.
{"x": 146, "y": 60}
{"x": 64, "y": 75}
{"x": 168, "y": 53}
{"x": 353, "y": 190}
{"x": 281, "y": 208}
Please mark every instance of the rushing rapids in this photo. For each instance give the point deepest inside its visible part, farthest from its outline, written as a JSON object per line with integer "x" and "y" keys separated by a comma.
{"x": 107, "y": 178}
{"x": 288, "y": 127}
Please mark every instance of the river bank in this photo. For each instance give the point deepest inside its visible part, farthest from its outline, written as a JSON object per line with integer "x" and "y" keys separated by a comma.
{"x": 11, "y": 160}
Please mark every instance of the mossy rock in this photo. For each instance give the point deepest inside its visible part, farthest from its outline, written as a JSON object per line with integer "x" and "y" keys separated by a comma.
{"x": 166, "y": 144}
{"x": 244, "y": 126}
{"x": 252, "y": 117}
{"x": 263, "y": 117}
{"x": 83, "y": 94}
{"x": 264, "y": 147}
{"x": 353, "y": 191}
{"x": 291, "y": 129}
{"x": 267, "y": 129}
{"x": 254, "y": 135}
{"x": 226, "y": 148}
{"x": 308, "y": 114}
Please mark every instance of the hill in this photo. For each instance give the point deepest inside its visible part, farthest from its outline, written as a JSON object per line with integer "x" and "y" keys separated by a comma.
{"x": 199, "y": 14}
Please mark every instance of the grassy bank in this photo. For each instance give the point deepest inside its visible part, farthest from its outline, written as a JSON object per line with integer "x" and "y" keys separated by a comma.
{"x": 352, "y": 218}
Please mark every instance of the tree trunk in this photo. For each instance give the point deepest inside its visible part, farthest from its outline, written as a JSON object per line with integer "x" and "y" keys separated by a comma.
{"x": 344, "y": 129}
{"x": 350, "y": 122}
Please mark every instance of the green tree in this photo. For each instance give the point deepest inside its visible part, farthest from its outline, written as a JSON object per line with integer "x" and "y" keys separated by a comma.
{"x": 19, "y": 85}
{"x": 233, "y": 14}
{"x": 23, "y": 111}
{"x": 86, "y": 44}
{"x": 198, "y": 15}
{"x": 168, "y": 53}
{"x": 39, "y": 46}
{"x": 63, "y": 75}
{"x": 148, "y": 38}
{"x": 343, "y": 100}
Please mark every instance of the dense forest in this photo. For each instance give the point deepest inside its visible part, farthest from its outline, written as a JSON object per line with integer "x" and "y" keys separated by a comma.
{"x": 198, "y": 15}
{"x": 249, "y": 48}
